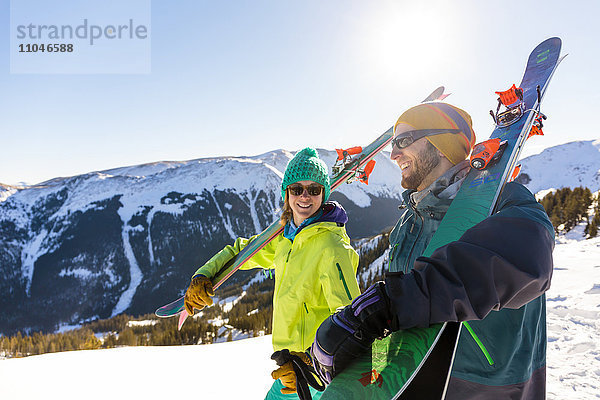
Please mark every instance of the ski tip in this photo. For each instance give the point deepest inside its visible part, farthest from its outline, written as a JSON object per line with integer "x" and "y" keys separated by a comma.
{"x": 182, "y": 317}
{"x": 436, "y": 95}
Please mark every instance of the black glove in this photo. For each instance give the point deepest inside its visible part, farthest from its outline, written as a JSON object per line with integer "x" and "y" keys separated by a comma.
{"x": 349, "y": 332}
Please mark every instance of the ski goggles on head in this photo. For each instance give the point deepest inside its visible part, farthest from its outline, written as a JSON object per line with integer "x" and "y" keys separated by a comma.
{"x": 297, "y": 189}
{"x": 405, "y": 139}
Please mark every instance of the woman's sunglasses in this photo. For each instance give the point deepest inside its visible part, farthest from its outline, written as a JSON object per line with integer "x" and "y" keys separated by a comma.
{"x": 407, "y": 138}
{"x": 297, "y": 189}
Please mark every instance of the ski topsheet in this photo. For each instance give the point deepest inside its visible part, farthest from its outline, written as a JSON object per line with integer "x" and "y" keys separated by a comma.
{"x": 399, "y": 366}
{"x": 352, "y": 164}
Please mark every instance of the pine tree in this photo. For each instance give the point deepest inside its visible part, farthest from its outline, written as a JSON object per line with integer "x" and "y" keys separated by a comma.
{"x": 127, "y": 338}
{"x": 592, "y": 228}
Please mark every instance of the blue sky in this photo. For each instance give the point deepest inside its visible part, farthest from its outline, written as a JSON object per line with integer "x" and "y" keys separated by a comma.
{"x": 247, "y": 77}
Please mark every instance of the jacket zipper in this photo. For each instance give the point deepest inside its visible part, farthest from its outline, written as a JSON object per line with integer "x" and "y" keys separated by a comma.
{"x": 303, "y": 324}
{"x": 393, "y": 251}
{"x": 343, "y": 282}
{"x": 485, "y": 352}
{"x": 416, "y": 239}
{"x": 283, "y": 269}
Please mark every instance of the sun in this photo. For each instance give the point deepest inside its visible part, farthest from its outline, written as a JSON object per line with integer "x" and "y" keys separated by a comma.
{"x": 408, "y": 41}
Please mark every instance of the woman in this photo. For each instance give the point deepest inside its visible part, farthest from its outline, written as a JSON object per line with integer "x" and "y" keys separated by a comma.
{"x": 315, "y": 266}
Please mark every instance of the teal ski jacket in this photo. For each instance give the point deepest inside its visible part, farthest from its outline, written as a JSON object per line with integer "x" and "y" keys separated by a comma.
{"x": 493, "y": 279}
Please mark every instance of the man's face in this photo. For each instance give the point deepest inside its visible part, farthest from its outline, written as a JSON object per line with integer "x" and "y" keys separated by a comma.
{"x": 416, "y": 161}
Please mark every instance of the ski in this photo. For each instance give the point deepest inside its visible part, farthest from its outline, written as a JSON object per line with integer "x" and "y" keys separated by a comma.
{"x": 416, "y": 363}
{"x": 352, "y": 164}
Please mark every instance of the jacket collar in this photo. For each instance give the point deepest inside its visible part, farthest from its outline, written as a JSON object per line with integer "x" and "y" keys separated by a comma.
{"x": 444, "y": 188}
{"x": 330, "y": 211}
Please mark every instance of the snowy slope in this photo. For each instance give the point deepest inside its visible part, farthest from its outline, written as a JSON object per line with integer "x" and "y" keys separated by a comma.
{"x": 569, "y": 165}
{"x": 6, "y": 191}
{"x": 573, "y": 307}
{"x": 241, "y": 369}
{"x": 234, "y": 370}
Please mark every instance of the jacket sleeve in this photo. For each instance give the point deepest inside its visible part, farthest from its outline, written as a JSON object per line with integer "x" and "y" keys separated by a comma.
{"x": 262, "y": 259}
{"x": 505, "y": 261}
{"x": 337, "y": 268}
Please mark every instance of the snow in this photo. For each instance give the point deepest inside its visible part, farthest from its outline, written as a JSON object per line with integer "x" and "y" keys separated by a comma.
{"x": 231, "y": 370}
{"x": 568, "y": 165}
{"x": 573, "y": 319}
{"x": 241, "y": 369}
{"x": 80, "y": 273}
{"x": 147, "y": 322}
{"x": 6, "y": 192}
{"x": 135, "y": 275}
{"x": 29, "y": 255}
{"x": 377, "y": 267}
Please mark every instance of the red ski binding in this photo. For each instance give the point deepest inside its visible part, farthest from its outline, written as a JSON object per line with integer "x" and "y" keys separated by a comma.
{"x": 536, "y": 128}
{"x": 343, "y": 154}
{"x": 515, "y": 173}
{"x": 512, "y": 100}
{"x": 486, "y": 153}
{"x": 363, "y": 176}
{"x": 345, "y": 157}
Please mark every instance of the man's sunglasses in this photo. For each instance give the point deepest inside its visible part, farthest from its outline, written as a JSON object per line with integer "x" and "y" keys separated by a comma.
{"x": 407, "y": 138}
{"x": 297, "y": 189}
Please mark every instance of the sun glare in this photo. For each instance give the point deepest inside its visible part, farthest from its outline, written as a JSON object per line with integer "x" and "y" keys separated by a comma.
{"x": 407, "y": 41}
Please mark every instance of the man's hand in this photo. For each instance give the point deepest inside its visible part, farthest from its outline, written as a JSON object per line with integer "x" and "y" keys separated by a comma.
{"x": 349, "y": 332}
{"x": 198, "y": 294}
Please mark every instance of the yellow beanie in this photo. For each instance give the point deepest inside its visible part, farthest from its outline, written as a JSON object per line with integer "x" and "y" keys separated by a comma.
{"x": 436, "y": 115}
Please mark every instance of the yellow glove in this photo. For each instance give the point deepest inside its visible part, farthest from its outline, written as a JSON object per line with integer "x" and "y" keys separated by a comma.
{"x": 286, "y": 373}
{"x": 198, "y": 294}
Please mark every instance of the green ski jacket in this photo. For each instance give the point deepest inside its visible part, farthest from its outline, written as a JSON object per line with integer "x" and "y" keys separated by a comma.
{"x": 493, "y": 278}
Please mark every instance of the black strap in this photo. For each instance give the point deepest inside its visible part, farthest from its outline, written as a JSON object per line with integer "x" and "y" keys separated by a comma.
{"x": 305, "y": 374}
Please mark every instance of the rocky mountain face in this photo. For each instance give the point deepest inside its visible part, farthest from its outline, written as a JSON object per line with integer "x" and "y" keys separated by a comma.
{"x": 128, "y": 240}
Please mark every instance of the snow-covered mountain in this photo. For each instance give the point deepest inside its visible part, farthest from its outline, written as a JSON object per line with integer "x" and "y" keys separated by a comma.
{"x": 569, "y": 165}
{"x": 128, "y": 239}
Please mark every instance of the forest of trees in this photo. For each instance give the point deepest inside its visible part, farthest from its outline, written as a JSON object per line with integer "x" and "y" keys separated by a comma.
{"x": 253, "y": 312}
{"x": 251, "y": 315}
{"x": 368, "y": 257}
{"x": 568, "y": 207}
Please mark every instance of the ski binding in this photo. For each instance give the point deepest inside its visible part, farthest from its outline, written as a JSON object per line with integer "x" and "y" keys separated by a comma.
{"x": 345, "y": 159}
{"x": 512, "y": 99}
{"x": 487, "y": 153}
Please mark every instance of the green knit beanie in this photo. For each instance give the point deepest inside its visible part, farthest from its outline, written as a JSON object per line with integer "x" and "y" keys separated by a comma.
{"x": 306, "y": 166}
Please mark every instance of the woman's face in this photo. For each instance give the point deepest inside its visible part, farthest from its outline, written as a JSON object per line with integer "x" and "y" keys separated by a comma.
{"x": 302, "y": 202}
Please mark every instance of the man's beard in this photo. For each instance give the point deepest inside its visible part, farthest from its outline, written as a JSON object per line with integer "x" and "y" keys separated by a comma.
{"x": 423, "y": 164}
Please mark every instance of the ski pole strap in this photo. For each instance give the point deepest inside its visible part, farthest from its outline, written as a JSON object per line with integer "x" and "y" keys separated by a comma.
{"x": 305, "y": 373}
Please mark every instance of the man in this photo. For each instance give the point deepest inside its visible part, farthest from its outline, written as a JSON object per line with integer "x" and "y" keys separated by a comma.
{"x": 494, "y": 276}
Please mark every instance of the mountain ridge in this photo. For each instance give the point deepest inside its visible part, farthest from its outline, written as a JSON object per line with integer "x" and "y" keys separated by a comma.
{"x": 98, "y": 244}
{"x": 127, "y": 239}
